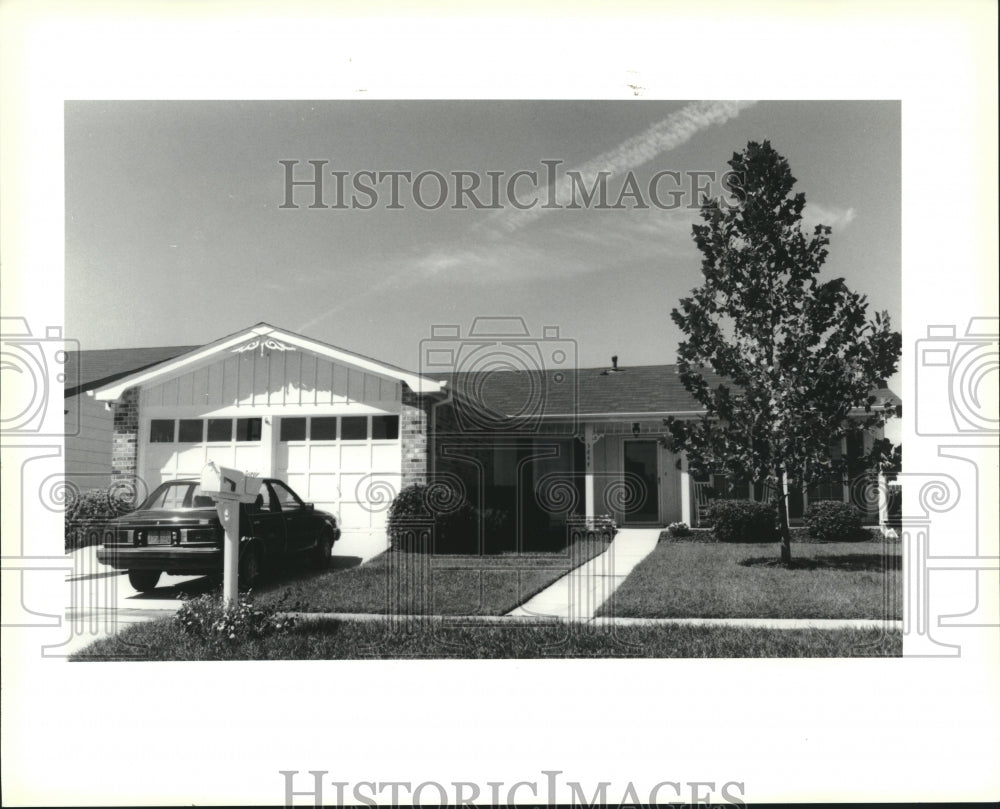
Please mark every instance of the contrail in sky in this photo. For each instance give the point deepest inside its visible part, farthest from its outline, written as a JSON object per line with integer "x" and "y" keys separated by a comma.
{"x": 677, "y": 128}
{"x": 671, "y": 132}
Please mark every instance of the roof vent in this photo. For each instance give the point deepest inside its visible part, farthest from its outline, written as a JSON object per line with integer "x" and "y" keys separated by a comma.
{"x": 614, "y": 369}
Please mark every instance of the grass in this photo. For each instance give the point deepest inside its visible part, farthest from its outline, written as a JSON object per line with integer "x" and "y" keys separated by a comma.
{"x": 682, "y": 579}
{"x": 326, "y": 639}
{"x": 399, "y": 582}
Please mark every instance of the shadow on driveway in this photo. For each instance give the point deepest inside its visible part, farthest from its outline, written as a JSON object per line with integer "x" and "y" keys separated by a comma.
{"x": 293, "y": 571}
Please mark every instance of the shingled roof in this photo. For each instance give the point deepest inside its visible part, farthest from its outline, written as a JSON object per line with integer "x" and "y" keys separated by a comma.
{"x": 87, "y": 370}
{"x": 634, "y": 391}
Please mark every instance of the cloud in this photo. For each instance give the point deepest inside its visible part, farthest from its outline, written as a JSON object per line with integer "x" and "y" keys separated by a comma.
{"x": 831, "y": 215}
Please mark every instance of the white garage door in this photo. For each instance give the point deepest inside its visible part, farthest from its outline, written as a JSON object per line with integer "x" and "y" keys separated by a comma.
{"x": 349, "y": 465}
{"x": 180, "y": 448}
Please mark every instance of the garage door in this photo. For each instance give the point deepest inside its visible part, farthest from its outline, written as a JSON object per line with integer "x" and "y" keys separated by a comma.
{"x": 180, "y": 448}
{"x": 349, "y": 465}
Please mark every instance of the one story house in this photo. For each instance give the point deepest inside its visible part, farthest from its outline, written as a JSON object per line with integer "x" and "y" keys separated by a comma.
{"x": 347, "y": 432}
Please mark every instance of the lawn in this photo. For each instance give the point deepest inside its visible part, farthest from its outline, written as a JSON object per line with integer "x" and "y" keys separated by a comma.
{"x": 327, "y": 639}
{"x": 683, "y": 579}
{"x": 399, "y": 582}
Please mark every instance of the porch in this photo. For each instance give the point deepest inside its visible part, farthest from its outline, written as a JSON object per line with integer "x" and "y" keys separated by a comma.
{"x": 532, "y": 490}
{"x": 877, "y": 499}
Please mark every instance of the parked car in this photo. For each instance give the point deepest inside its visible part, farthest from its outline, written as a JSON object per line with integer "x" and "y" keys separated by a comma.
{"x": 176, "y": 530}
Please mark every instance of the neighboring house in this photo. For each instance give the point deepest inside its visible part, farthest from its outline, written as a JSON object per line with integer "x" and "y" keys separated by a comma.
{"x": 347, "y": 431}
{"x": 89, "y": 421}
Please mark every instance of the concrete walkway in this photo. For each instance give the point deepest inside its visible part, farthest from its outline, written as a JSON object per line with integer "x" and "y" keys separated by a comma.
{"x": 579, "y": 594}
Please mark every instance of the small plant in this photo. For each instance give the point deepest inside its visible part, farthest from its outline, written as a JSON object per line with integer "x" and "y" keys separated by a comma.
{"x": 600, "y": 527}
{"x": 679, "y": 529}
{"x": 830, "y": 521}
{"x": 744, "y": 521}
{"x": 218, "y": 624}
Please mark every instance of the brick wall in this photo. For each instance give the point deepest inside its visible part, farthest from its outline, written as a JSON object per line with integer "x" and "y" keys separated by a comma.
{"x": 125, "y": 436}
{"x": 414, "y": 422}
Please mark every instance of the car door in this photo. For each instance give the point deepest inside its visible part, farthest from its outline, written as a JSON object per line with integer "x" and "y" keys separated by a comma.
{"x": 297, "y": 518}
{"x": 267, "y": 522}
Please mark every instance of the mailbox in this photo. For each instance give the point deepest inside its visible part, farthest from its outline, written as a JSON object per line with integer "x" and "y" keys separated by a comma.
{"x": 224, "y": 483}
{"x": 229, "y": 487}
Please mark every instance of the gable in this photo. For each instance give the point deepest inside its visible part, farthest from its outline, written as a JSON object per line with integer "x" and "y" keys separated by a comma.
{"x": 283, "y": 378}
{"x": 249, "y": 378}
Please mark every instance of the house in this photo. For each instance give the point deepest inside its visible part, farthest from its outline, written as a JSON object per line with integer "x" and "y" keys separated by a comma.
{"x": 89, "y": 422}
{"x": 511, "y": 425}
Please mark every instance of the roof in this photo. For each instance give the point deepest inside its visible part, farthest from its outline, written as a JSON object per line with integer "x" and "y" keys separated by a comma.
{"x": 91, "y": 369}
{"x": 634, "y": 391}
{"x": 644, "y": 390}
{"x": 266, "y": 336}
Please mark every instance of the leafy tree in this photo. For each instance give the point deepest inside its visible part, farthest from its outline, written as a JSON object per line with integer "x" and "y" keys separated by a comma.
{"x": 778, "y": 358}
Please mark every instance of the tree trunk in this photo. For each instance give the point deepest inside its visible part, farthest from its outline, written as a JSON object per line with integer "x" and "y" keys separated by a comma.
{"x": 786, "y": 531}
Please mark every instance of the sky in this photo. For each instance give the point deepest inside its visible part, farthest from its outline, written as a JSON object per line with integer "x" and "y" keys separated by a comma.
{"x": 175, "y": 234}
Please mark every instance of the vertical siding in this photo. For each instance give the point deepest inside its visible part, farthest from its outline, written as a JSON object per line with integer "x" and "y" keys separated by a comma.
{"x": 277, "y": 378}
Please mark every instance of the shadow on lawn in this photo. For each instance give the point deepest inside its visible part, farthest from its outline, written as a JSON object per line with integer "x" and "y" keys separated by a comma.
{"x": 874, "y": 562}
{"x": 295, "y": 570}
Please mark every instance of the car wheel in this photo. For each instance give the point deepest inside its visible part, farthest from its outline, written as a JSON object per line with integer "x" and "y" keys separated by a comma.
{"x": 324, "y": 548}
{"x": 250, "y": 567}
{"x": 143, "y": 580}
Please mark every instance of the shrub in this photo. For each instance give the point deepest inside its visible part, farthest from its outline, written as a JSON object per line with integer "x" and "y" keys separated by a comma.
{"x": 455, "y": 523}
{"x": 457, "y": 531}
{"x": 87, "y": 515}
{"x": 498, "y": 528}
{"x": 744, "y": 521}
{"x": 220, "y": 625}
{"x": 829, "y": 521}
{"x": 679, "y": 529}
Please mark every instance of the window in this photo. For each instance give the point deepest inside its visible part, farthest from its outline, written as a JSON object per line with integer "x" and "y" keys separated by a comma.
{"x": 323, "y": 428}
{"x": 190, "y": 430}
{"x": 354, "y": 428}
{"x": 220, "y": 429}
{"x": 265, "y": 500}
{"x": 385, "y": 427}
{"x": 172, "y": 495}
{"x": 293, "y": 429}
{"x": 161, "y": 431}
{"x": 288, "y": 499}
{"x": 248, "y": 429}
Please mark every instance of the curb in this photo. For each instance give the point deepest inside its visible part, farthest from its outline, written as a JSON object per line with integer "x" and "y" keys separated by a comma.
{"x": 529, "y": 620}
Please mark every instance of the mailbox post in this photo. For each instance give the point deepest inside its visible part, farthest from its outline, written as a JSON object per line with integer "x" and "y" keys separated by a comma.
{"x": 229, "y": 488}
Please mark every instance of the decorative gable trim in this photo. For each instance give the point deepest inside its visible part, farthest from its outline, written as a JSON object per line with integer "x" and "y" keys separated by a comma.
{"x": 265, "y": 338}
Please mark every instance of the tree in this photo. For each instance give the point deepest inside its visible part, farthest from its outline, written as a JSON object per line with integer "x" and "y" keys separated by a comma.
{"x": 778, "y": 358}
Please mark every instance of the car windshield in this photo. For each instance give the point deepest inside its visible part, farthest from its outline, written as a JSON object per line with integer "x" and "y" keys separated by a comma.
{"x": 178, "y": 494}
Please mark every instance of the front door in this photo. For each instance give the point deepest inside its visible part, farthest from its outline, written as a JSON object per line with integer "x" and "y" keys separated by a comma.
{"x": 642, "y": 475}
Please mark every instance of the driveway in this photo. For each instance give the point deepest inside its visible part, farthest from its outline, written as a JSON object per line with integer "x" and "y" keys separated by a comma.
{"x": 100, "y": 601}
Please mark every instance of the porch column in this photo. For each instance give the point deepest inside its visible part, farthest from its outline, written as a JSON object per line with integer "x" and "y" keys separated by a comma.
{"x": 686, "y": 513}
{"x": 588, "y": 477}
{"x": 883, "y": 501}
